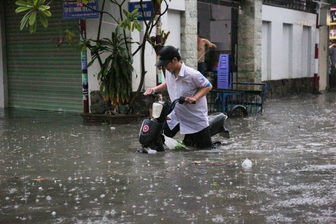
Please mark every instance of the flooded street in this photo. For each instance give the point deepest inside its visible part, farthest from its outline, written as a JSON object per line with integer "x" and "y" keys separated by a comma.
{"x": 56, "y": 169}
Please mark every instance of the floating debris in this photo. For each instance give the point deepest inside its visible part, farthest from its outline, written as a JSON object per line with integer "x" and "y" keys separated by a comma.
{"x": 247, "y": 164}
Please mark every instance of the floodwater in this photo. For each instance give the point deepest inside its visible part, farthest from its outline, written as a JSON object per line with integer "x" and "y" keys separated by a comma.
{"x": 56, "y": 169}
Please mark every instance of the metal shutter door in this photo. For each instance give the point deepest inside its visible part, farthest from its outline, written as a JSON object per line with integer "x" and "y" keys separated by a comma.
{"x": 41, "y": 75}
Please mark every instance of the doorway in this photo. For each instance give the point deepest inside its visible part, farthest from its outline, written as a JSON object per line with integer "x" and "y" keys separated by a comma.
{"x": 218, "y": 22}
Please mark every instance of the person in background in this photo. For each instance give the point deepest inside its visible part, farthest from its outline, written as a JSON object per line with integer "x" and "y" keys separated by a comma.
{"x": 202, "y": 45}
{"x": 332, "y": 54}
{"x": 190, "y": 119}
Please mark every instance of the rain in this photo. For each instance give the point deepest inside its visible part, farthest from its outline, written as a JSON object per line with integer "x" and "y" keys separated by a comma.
{"x": 278, "y": 167}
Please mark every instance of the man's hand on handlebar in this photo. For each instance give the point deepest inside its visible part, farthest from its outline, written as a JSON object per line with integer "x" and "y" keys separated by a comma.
{"x": 149, "y": 91}
{"x": 191, "y": 99}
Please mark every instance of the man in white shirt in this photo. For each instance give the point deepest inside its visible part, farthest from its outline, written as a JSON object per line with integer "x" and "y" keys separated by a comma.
{"x": 188, "y": 118}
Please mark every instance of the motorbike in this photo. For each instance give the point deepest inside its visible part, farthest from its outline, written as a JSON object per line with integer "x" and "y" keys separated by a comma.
{"x": 151, "y": 131}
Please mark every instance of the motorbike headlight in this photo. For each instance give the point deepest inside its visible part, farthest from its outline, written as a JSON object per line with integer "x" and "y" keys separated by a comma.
{"x": 157, "y": 110}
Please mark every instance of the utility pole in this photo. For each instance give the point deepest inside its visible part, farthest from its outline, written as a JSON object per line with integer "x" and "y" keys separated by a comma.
{"x": 85, "y": 81}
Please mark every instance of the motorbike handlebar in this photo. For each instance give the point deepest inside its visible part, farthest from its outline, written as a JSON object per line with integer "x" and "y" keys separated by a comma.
{"x": 182, "y": 100}
{"x": 171, "y": 106}
{"x": 153, "y": 94}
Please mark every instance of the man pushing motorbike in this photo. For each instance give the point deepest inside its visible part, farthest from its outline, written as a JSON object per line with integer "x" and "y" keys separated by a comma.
{"x": 191, "y": 118}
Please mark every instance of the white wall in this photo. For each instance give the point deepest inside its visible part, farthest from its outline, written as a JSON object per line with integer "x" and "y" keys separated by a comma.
{"x": 178, "y": 5}
{"x": 91, "y": 32}
{"x": 171, "y": 21}
{"x": 287, "y": 43}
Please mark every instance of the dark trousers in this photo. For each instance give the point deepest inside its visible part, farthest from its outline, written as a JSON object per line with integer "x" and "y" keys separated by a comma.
{"x": 201, "y": 139}
{"x": 201, "y": 67}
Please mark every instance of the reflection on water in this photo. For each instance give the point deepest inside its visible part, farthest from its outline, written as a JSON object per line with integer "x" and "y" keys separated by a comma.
{"x": 56, "y": 169}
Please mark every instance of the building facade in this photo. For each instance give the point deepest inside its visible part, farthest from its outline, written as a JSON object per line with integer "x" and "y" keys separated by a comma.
{"x": 270, "y": 41}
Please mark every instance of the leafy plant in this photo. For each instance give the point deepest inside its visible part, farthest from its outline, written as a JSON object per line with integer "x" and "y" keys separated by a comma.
{"x": 116, "y": 70}
{"x": 114, "y": 57}
{"x": 36, "y": 10}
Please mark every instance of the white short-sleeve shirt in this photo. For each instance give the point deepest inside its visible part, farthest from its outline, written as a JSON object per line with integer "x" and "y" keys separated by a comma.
{"x": 192, "y": 117}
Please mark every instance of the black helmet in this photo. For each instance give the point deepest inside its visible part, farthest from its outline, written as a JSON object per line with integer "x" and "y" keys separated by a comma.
{"x": 167, "y": 53}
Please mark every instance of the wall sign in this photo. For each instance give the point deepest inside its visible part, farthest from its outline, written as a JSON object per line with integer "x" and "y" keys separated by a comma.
{"x": 146, "y": 12}
{"x": 73, "y": 10}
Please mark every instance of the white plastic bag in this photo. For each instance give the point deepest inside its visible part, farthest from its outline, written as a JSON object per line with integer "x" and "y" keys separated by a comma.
{"x": 247, "y": 164}
{"x": 173, "y": 144}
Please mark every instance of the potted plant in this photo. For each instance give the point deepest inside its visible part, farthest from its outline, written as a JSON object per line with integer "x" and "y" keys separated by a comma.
{"x": 115, "y": 74}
